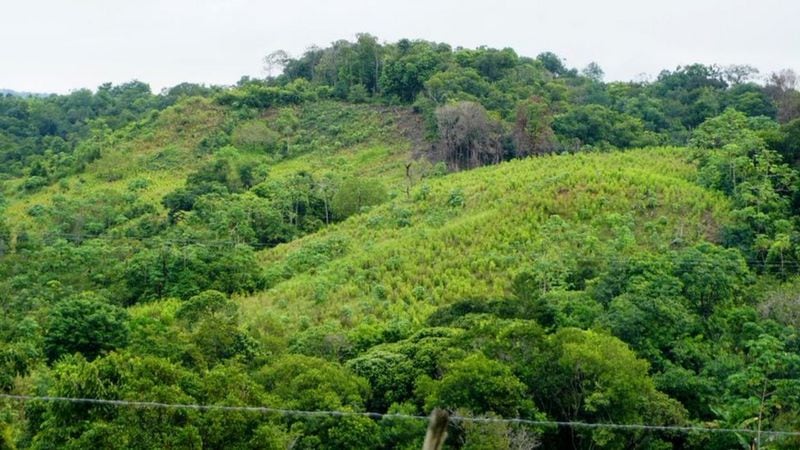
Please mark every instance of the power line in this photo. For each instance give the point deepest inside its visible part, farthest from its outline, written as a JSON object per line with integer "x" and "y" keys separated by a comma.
{"x": 374, "y": 415}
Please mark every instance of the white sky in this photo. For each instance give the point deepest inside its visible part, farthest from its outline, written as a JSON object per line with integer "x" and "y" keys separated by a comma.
{"x": 60, "y": 45}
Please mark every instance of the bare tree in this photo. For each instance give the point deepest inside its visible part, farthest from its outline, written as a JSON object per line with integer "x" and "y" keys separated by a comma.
{"x": 783, "y": 80}
{"x": 275, "y": 60}
{"x": 521, "y": 439}
{"x": 739, "y": 73}
{"x": 468, "y": 138}
{"x": 782, "y": 305}
{"x": 782, "y": 87}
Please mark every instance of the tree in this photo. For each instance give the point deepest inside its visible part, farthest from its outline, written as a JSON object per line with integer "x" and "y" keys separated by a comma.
{"x": 307, "y": 383}
{"x": 760, "y": 185}
{"x": 552, "y": 63}
{"x": 117, "y": 376}
{"x": 85, "y": 324}
{"x": 763, "y": 388}
{"x": 407, "y": 67}
{"x": 367, "y": 68}
{"x": 497, "y": 436}
{"x": 5, "y": 236}
{"x": 598, "y": 125}
{"x": 787, "y": 141}
{"x": 170, "y": 270}
{"x": 20, "y": 351}
{"x": 354, "y": 195}
{"x": 275, "y": 60}
{"x": 478, "y": 385}
{"x": 456, "y": 84}
{"x": 782, "y": 87}
{"x": 782, "y": 304}
{"x": 750, "y": 99}
{"x": 255, "y": 136}
{"x": 711, "y": 276}
{"x": 491, "y": 63}
{"x": 207, "y": 304}
{"x": 592, "y": 377}
{"x": 729, "y": 127}
{"x": 391, "y": 377}
{"x": 690, "y": 93}
{"x": 647, "y": 310}
{"x": 468, "y": 138}
{"x": 739, "y": 73}
{"x": 533, "y": 133}
{"x": 594, "y": 72}
{"x": 303, "y": 67}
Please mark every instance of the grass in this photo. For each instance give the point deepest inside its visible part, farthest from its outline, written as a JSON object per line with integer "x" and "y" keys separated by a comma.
{"x": 468, "y": 234}
{"x": 160, "y": 151}
{"x": 131, "y": 153}
{"x": 439, "y": 239}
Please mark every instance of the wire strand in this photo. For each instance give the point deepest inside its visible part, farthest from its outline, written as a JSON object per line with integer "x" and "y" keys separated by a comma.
{"x": 374, "y": 415}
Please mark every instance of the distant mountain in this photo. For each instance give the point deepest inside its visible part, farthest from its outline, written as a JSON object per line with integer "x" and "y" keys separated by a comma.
{"x": 22, "y": 94}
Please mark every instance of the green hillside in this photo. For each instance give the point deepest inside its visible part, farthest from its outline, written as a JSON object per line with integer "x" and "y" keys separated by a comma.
{"x": 468, "y": 234}
{"x": 157, "y": 153}
{"x": 385, "y": 229}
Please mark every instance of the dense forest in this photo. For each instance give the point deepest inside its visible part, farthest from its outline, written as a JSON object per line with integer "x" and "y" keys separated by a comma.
{"x": 394, "y": 227}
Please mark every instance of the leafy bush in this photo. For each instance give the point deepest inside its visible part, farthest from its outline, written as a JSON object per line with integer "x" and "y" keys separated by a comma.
{"x": 255, "y": 136}
{"x": 355, "y": 195}
{"x": 88, "y": 325}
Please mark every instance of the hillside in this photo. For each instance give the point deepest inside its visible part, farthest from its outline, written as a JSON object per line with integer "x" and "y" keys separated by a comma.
{"x": 157, "y": 153}
{"x": 11, "y": 92}
{"x": 468, "y": 234}
{"x": 391, "y": 228}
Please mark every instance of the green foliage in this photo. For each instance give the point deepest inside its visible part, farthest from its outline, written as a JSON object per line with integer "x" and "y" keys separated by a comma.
{"x": 46, "y": 136}
{"x": 408, "y": 67}
{"x": 729, "y": 127}
{"x": 356, "y": 194}
{"x": 478, "y": 385}
{"x": 205, "y": 304}
{"x": 596, "y": 125}
{"x": 610, "y": 383}
{"x": 391, "y": 377}
{"x": 257, "y": 95}
{"x": 255, "y": 136}
{"x": 117, "y": 376}
{"x": 307, "y": 383}
{"x": 560, "y": 309}
{"x": 87, "y": 325}
{"x": 711, "y": 276}
{"x": 297, "y": 242}
{"x": 591, "y": 113}
{"x": 173, "y": 270}
{"x": 533, "y": 132}
{"x": 761, "y": 186}
{"x": 20, "y": 351}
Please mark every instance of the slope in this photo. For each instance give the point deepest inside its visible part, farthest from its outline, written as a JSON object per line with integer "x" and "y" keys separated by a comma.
{"x": 147, "y": 159}
{"x": 468, "y": 234}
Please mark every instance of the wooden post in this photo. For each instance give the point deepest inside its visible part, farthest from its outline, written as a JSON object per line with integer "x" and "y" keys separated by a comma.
{"x": 437, "y": 430}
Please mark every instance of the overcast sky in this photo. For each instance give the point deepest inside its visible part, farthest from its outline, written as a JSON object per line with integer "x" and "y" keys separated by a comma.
{"x": 61, "y": 45}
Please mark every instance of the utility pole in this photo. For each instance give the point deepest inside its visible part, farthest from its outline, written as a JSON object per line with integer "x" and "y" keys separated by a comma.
{"x": 437, "y": 430}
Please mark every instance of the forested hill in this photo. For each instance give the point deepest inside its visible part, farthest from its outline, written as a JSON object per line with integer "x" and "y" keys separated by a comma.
{"x": 12, "y": 93}
{"x": 397, "y": 227}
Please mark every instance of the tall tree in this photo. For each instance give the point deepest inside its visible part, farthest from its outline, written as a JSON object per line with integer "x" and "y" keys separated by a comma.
{"x": 468, "y": 138}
